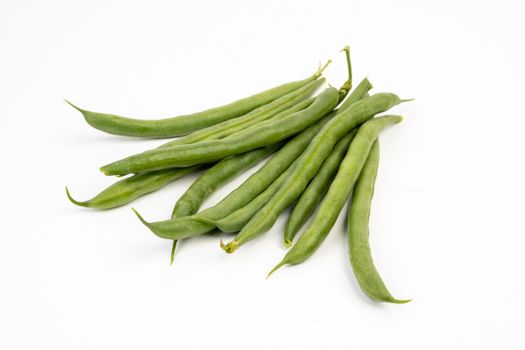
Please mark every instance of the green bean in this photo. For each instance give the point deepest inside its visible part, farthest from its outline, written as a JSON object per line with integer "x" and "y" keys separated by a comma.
{"x": 320, "y": 183}
{"x": 316, "y": 189}
{"x": 278, "y": 107}
{"x": 338, "y": 192}
{"x": 222, "y": 172}
{"x": 252, "y": 187}
{"x": 298, "y": 107}
{"x": 265, "y": 176}
{"x": 184, "y": 124}
{"x": 236, "y": 220}
{"x": 311, "y": 160}
{"x": 190, "y": 226}
{"x": 359, "y": 247}
{"x": 268, "y": 133}
{"x": 129, "y": 189}
{"x": 190, "y": 202}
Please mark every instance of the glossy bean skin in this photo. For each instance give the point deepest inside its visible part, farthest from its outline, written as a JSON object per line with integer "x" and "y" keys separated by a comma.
{"x": 358, "y": 245}
{"x": 190, "y": 226}
{"x": 129, "y": 189}
{"x": 316, "y": 189}
{"x": 184, "y": 124}
{"x": 204, "y": 152}
{"x": 338, "y": 192}
{"x": 282, "y": 106}
{"x": 222, "y": 172}
{"x": 311, "y": 160}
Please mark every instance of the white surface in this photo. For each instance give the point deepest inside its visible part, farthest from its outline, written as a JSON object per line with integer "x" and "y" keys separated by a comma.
{"x": 447, "y": 221}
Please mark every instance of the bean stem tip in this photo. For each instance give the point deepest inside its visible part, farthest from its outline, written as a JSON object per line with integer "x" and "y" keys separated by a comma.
{"x": 73, "y": 200}
{"x": 230, "y": 247}
{"x": 172, "y": 254}
{"x": 275, "y": 268}
{"x": 321, "y": 69}
{"x": 141, "y": 218}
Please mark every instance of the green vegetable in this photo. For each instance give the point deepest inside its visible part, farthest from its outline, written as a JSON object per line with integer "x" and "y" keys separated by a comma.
{"x": 310, "y": 162}
{"x": 338, "y": 192}
{"x": 359, "y": 247}
{"x": 222, "y": 172}
{"x": 185, "y": 124}
{"x": 316, "y": 189}
{"x": 267, "y": 133}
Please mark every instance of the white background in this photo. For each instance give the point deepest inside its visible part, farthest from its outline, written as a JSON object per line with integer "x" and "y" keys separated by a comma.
{"x": 447, "y": 220}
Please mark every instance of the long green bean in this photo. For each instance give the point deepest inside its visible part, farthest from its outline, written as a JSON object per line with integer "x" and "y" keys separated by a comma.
{"x": 184, "y": 124}
{"x": 316, "y": 189}
{"x": 268, "y": 133}
{"x": 358, "y": 245}
{"x": 311, "y": 160}
{"x": 338, "y": 192}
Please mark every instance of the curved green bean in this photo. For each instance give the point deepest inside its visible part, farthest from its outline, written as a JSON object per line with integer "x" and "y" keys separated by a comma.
{"x": 266, "y": 134}
{"x": 129, "y": 189}
{"x": 311, "y": 160}
{"x": 284, "y": 105}
{"x": 190, "y": 226}
{"x": 358, "y": 245}
{"x": 319, "y": 185}
{"x": 236, "y": 220}
{"x": 222, "y": 172}
{"x": 184, "y": 124}
{"x": 338, "y": 192}
{"x": 316, "y": 189}
{"x": 225, "y": 170}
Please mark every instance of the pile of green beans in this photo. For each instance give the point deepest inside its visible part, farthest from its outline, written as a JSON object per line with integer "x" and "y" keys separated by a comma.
{"x": 322, "y": 151}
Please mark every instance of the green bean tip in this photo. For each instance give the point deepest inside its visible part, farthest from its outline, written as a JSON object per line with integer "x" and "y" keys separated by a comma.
{"x": 74, "y": 201}
{"x": 105, "y": 171}
{"x": 279, "y": 265}
{"x": 287, "y": 243}
{"x": 398, "y": 301}
{"x": 147, "y": 224}
{"x": 230, "y": 247}
{"x": 74, "y": 106}
{"x": 172, "y": 255}
{"x": 408, "y": 100}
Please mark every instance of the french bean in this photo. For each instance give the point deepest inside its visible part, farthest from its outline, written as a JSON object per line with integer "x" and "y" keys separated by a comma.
{"x": 184, "y": 124}
{"x": 225, "y": 170}
{"x": 222, "y": 172}
{"x": 203, "y": 152}
{"x": 316, "y": 189}
{"x": 358, "y": 245}
{"x": 338, "y": 192}
{"x": 311, "y": 160}
{"x": 236, "y": 220}
{"x": 131, "y": 188}
{"x": 244, "y": 194}
{"x": 281, "y": 106}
